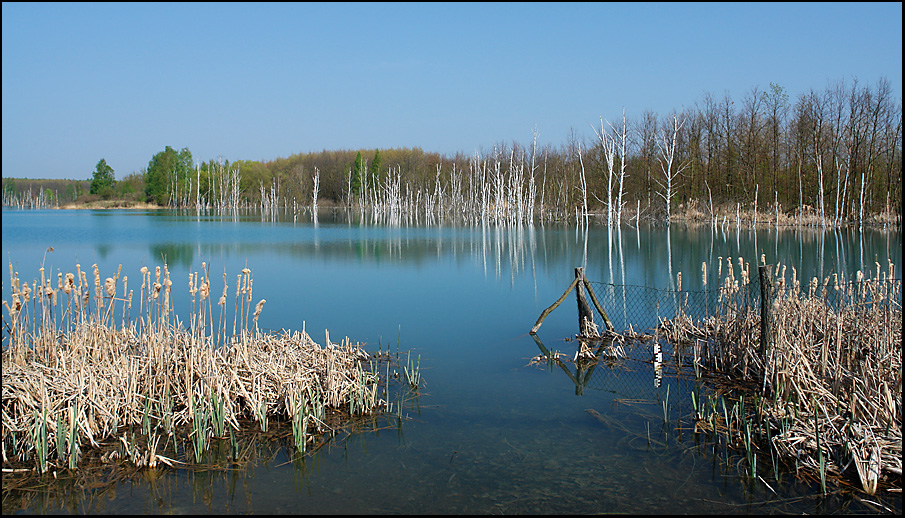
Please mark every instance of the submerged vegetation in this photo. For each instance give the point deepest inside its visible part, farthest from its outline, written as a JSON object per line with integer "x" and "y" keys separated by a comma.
{"x": 828, "y": 158}
{"x": 82, "y": 376}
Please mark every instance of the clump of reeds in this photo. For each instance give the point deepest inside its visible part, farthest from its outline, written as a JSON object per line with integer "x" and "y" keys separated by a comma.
{"x": 829, "y": 378}
{"x": 79, "y": 369}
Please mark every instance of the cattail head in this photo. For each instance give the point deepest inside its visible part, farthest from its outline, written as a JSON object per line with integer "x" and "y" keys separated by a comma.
{"x": 110, "y": 286}
{"x": 222, "y": 300}
{"x": 679, "y": 281}
{"x": 704, "y": 272}
{"x": 258, "y": 309}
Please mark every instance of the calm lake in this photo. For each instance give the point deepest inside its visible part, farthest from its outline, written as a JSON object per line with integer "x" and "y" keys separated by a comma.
{"x": 489, "y": 433}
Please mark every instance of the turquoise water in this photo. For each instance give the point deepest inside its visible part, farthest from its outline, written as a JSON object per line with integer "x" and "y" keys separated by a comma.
{"x": 491, "y": 433}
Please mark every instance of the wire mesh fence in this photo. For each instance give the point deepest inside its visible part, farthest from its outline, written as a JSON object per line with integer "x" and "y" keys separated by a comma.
{"x": 646, "y": 316}
{"x": 641, "y": 309}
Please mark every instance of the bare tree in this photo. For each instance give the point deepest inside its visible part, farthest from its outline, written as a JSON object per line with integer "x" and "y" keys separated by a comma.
{"x": 317, "y": 181}
{"x": 668, "y": 145}
{"x": 608, "y": 145}
{"x": 777, "y": 106}
{"x": 583, "y": 186}
{"x": 646, "y": 133}
{"x": 623, "y": 137}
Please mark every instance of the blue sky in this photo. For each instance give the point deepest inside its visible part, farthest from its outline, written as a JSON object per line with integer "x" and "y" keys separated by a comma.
{"x": 259, "y": 81}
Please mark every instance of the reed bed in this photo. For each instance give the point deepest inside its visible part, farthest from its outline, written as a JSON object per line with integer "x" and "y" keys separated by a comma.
{"x": 79, "y": 370}
{"x": 824, "y": 393}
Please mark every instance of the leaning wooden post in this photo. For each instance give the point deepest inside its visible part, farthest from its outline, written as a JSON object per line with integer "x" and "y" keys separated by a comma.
{"x": 585, "y": 317}
{"x": 765, "y": 273}
{"x": 606, "y": 319}
{"x": 540, "y": 319}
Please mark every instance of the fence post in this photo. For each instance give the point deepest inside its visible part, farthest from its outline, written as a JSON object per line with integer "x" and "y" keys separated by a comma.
{"x": 584, "y": 310}
{"x": 540, "y": 319}
{"x": 606, "y": 319}
{"x": 765, "y": 272}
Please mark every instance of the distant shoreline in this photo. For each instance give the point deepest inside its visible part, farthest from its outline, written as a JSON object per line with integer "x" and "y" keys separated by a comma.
{"x": 112, "y": 204}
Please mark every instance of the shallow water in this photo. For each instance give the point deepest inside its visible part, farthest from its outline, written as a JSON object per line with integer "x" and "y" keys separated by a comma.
{"x": 491, "y": 433}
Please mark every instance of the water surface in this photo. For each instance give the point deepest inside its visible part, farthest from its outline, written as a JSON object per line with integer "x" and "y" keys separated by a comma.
{"x": 491, "y": 433}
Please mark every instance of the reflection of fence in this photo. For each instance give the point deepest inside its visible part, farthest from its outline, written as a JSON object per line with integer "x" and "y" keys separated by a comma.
{"x": 628, "y": 375}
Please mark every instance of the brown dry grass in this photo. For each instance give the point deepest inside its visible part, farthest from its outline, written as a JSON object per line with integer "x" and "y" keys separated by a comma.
{"x": 76, "y": 360}
{"x": 832, "y": 374}
{"x": 695, "y": 212}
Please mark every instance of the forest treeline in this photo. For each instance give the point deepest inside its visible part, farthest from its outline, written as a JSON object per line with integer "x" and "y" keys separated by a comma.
{"x": 831, "y": 156}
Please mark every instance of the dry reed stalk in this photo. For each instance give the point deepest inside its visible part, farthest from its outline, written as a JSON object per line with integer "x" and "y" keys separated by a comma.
{"x": 836, "y": 359}
{"x": 104, "y": 377}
